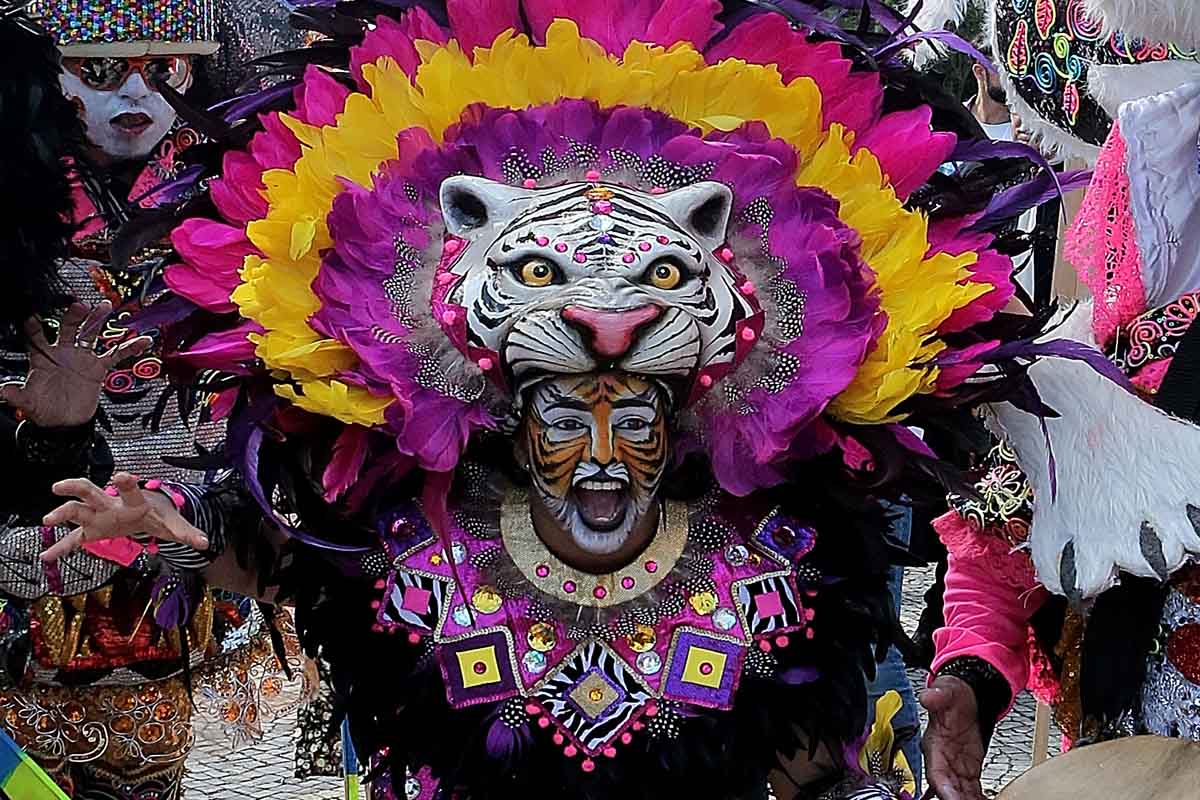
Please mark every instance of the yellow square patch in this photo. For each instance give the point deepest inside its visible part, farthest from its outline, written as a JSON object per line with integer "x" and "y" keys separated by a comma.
{"x": 704, "y": 667}
{"x": 479, "y": 666}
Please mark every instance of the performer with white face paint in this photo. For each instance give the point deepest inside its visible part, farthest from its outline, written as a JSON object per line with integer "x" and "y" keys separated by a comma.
{"x": 117, "y": 56}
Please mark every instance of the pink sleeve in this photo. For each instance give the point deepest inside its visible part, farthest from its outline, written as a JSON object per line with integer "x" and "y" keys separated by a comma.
{"x": 991, "y": 593}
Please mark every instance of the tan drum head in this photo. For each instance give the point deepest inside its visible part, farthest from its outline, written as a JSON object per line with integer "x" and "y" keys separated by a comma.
{"x": 1138, "y": 768}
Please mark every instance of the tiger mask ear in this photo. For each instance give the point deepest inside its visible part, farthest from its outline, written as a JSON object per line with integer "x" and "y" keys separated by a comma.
{"x": 472, "y": 205}
{"x": 702, "y": 209}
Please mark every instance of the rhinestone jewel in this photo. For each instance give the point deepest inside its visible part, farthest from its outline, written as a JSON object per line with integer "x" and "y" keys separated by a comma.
{"x": 736, "y": 555}
{"x": 458, "y": 552}
{"x": 649, "y": 663}
{"x": 724, "y": 619}
{"x": 486, "y": 600}
{"x": 542, "y": 637}
{"x": 642, "y": 639}
{"x": 703, "y": 603}
{"x": 412, "y": 789}
{"x": 535, "y": 662}
{"x": 462, "y": 615}
{"x": 601, "y": 222}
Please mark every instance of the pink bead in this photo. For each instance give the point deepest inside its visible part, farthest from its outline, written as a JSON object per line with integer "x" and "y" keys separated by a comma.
{"x": 543, "y": 722}
{"x": 542, "y": 571}
{"x": 529, "y": 183}
{"x": 749, "y": 335}
{"x": 725, "y": 254}
{"x": 558, "y": 739}
{"x": 380, "y": 584}
{"x": 569, "y": 587}
{"x": 782, "y": 641}
{"x": 628, "y": 258}
{"x": 580, "y": 258}
{"x": 765, "y": 646}
{"x": 533, "y": 709}
{"x": 627, "y": 737}
{"x": 592, "y": 175}
{"x": 450, "y": 317}
{"x": 569, "y": 751}
{"x": 652, "y": 567}
{"x": 451, "y": 247}
{"x": 658, "y": 190}
{"x": 375, "y": 604}
{"x": 542, "y": 241}
{"x": 809, "y": 633}
{"x": 663, "y": 240}
{"x": 561, "y": 247}
{"x": 810, "y": 614}
{"x": 486, "y": 364}
{"x": 600, "y": 593}
{"x": 637, "y": 726}
{"x": 706, "y": 668}
{"x": 627, "y": 583}
{"x": 414, "y": 638}
{"x": 644, "y": 246}
{"x": 588, "y": 765}
{"x": 706, "y": 381}
{"x": 444, "y": 278}
{"x": 746, "y": 288}
{"x": 652, "y": 710}
{"x": 610, "y": 752}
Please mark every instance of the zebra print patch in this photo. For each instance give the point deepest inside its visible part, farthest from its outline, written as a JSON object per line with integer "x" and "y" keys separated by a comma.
{"x": 593, "y": 696}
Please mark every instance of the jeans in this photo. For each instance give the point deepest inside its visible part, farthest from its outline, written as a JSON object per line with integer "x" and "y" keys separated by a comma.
{"x": 892, "y": 675}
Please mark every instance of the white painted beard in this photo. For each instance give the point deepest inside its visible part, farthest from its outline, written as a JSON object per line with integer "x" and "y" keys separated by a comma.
{"x": 598, "y": 543}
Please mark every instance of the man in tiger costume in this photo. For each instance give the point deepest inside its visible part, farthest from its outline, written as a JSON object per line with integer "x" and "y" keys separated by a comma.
{"x": 567, "y": 348}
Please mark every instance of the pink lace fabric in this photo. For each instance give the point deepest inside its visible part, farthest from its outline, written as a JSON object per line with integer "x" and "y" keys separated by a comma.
{"x": 966, "y": 542}
{"x": 1102, "y": 243}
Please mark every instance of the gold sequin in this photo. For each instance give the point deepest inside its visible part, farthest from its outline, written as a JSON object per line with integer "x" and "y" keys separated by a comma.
{"x": 486, "y": 600}
{"x": 542, "y": 637}
{"x": 703, "y": 603}
{"x": 642, "y": 639}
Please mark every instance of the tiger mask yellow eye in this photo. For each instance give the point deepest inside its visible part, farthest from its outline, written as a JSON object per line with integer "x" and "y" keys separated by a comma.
{"x": 664, "y": 275}
{"x": 536, "y": 273}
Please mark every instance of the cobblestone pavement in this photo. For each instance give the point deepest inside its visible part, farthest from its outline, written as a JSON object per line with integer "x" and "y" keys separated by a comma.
{"x": 264, "y": 771}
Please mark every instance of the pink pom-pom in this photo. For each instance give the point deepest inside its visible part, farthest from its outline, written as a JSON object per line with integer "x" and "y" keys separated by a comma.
{"x": 533, "y": 709}
{"x": 543, "y": 722}
{"x": 610, "y": 752}
{"x": 592, "y": 175}
{"x": 529, "y": 183}
{"x": 414, "y": 638}
{"x": 558, "y": 739}
{"x": 783, "y": 641}
{"x": 588, "y": 765}
{"x": 627, "y": 737}
{"x": 570, "y": 751}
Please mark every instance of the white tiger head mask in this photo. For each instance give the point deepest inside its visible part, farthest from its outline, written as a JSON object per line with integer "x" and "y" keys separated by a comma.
{"x": 589, "y": 276}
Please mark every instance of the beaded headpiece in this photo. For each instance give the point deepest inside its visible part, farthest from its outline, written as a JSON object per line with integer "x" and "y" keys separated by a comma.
{"x": 84, "y": 28}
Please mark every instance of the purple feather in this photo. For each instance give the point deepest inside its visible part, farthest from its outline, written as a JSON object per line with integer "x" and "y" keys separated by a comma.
{"x": 798, "y": 676}
{"x": 504, "y": 742}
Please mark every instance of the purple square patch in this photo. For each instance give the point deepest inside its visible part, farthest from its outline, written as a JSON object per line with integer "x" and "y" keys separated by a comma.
{"x": 478, "y": 669}
{"x": 703, "y": 670}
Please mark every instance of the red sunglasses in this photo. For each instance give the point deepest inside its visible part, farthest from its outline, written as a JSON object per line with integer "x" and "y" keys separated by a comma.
{"x": 106, "y": 74}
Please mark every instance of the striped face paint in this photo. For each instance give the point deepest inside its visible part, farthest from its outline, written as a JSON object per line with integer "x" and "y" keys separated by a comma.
{"x": 597, "y": 453}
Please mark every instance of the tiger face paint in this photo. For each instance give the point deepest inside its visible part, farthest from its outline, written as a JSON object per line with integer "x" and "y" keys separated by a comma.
{"x": 597, "y": 448}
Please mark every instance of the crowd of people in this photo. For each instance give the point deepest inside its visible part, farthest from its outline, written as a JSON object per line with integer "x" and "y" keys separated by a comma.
{"x": 558, "y": 391}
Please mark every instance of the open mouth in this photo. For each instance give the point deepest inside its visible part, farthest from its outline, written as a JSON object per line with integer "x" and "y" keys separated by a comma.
{"x": 602, "y": 503}
{"x": 133, "y": 124}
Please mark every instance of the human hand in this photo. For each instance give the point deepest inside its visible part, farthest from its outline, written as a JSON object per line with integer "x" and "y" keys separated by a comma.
{"x": 63, "y": 386}
{"x": 953, "y": 745}
{"x": 98, "y": 515}
{"x": 1020, "y": 132}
